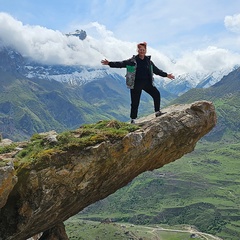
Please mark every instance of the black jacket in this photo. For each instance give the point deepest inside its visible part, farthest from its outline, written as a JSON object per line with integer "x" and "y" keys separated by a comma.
{"x": 131, "y": 66}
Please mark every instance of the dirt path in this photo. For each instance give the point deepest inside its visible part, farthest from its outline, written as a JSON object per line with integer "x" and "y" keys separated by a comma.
{"x": 190, "y": 231}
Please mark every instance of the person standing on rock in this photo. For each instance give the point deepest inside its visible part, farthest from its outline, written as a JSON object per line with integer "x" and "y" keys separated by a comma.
{"x": 140, "y": 70}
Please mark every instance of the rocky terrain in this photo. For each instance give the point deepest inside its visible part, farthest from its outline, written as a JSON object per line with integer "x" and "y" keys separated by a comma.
{"x": 39, "y": 193}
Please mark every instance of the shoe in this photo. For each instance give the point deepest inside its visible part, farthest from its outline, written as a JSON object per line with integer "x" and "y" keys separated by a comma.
{"x": 159, "y": 113}
{"x": 132, "y": 121}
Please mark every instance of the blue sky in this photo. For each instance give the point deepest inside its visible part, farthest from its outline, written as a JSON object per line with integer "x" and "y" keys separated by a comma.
{"x": 173, "y": 28}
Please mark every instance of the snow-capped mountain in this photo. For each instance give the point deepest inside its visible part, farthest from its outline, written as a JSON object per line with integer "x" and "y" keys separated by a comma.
{"x": 80, "y": 75}
{"x": 72, "y": 75}
{"x": 81, "y": 34}
{"x": 187, "y": 81}
{"x": 214, "y": 77}
{"x": 14, "y": 62}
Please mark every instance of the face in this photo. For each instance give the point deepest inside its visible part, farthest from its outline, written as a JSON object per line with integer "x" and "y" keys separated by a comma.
{"x": 142, "y": 51}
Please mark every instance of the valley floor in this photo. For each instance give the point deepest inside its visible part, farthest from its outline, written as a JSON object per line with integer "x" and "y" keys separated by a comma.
{"x": 83, "y": 229}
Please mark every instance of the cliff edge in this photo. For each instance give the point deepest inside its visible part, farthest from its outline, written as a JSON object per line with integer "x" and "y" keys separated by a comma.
{"x": 54, "y": 176}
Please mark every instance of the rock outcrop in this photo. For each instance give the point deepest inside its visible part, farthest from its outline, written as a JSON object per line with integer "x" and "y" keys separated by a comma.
{"x": 42, "y": 195}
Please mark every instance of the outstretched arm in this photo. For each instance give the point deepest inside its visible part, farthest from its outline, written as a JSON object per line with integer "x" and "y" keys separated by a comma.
{"x": 120, "y": 64}
{"x": 162, "y": 73}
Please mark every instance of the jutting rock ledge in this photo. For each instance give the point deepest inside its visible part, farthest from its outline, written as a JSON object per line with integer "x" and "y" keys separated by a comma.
{"x": 38, "y": 197}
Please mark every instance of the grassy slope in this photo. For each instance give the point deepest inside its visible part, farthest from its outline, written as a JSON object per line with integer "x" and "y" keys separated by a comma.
{"x": 28, "y": 107}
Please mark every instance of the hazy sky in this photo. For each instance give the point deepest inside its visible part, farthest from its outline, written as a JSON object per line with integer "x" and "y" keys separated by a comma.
{"x": 197, "y": 34}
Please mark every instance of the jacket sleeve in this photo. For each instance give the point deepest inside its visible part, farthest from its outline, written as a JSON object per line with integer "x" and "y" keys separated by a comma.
{"x": 121, "y": 64}
{"x": 158, "y": 71}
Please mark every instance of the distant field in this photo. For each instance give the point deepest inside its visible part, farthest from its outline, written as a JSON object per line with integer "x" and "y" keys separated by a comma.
{"x": 89, "y": 230}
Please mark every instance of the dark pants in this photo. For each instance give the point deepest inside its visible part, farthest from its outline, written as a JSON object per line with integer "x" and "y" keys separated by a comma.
{"x": 136, "y": 95}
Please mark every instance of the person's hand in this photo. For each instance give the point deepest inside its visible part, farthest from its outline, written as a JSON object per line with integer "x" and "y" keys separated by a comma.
{"x": 170, "y": 76}
{"x": 105, "y": 62}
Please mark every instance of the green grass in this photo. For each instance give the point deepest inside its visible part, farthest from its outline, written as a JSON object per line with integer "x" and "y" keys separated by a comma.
{"x": 8, "y": 148}
{"x": 39, "y": 150}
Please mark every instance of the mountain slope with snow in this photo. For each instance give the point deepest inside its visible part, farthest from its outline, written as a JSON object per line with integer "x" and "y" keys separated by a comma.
{"x": 187, "y": 81}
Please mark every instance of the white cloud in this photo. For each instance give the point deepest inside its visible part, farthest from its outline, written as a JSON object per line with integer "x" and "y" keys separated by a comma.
{"x": 232, "y": 23}
{"x": 49, "y": 46}
{"x": 207, "y": 60}
{"x": 45, "y": 45}
{"x": 53, "y": 47}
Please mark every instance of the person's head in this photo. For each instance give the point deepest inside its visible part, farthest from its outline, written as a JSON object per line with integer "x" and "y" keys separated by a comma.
{"x": 142, "y": 49}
